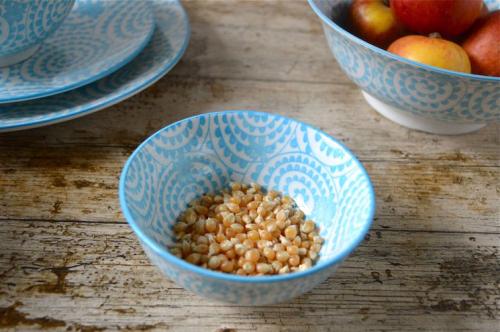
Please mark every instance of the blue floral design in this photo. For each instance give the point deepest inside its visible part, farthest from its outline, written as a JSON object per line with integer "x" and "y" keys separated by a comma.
{"x": 24, "y": 24}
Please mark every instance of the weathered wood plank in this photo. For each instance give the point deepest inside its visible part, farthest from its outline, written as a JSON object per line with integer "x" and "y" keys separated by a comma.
{"x": 294, "y": 16}
{"x": 339, "y": 110}
{"x": 266, "y": 45}
{"x": 96, "y": 274}
{"x": 80, "y": 183}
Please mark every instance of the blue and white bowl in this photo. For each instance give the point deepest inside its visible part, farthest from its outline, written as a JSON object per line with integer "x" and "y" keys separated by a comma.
{"x": 25, "y": 24}
{"x": 204, "y": 153}
{"x": 412, "y": 94}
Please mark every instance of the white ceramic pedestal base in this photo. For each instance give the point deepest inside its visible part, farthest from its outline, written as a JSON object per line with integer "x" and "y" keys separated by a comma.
{"x": 412, "y": 121}
{"x": 18, "y": 57}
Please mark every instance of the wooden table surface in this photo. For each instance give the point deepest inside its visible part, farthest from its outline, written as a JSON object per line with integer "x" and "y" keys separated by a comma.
{"x": 69, "y": 261}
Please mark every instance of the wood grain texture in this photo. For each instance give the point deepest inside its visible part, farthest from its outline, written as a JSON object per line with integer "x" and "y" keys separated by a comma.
{"x": 82, "y": 274}
{"x": 430, "y": 262}
{"x": 80, "y": 183}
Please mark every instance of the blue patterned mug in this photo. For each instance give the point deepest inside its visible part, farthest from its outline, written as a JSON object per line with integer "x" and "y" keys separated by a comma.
{"x": 25, "y": 24}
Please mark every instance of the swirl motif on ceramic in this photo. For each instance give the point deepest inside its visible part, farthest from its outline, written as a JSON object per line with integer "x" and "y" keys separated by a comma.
{"x": 167, "y": 45}
{"x": 249, "y": 293}
{"x": 97, "y": 38}
{"x": 257, "y": 138}
{"x": 203, "y": 153}
{"x": 24, "y": 24}
{"x": 415, "y": 88}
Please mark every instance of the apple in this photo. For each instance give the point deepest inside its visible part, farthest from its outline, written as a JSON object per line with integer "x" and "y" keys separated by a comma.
{"x": 432, "y": 51}
{"x": 449, "y": 18}
{"x": 374, "y": 22}
{"x": 483, "y": 45}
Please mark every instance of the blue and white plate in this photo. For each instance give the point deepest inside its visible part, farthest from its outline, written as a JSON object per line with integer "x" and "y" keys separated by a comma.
{"x": 167, "y": 45}
{"x": 96, "y": 39}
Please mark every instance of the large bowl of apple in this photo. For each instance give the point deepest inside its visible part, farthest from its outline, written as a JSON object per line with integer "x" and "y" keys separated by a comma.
{"x": 429, "y": 65}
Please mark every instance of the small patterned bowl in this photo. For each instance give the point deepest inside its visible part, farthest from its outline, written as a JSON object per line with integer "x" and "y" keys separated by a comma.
{"x": 412, "y": 94}
{"x": 203, "y": 153}
{"x": 24, "y": 25}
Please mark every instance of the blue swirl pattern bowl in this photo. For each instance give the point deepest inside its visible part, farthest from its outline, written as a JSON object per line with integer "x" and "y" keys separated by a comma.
{"x": 24, "y": 25}
{"x": 204, "y": 153}
{"x": 409, "y": 93}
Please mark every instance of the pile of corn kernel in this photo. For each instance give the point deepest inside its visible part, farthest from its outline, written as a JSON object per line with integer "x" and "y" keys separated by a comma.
{"x": 247, "y": 232}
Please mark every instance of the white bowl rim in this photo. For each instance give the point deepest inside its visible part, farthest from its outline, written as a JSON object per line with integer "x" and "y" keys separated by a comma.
{"x": 174, "y": 260}
{"x": 327, "y": 20}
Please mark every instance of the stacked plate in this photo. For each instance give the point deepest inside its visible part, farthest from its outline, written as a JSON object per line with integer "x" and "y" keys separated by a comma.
{"x": 103, "y": 53}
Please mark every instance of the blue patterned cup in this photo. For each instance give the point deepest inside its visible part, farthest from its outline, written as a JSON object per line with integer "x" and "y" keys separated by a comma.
{"x": 409, "y": 93}
{"x": 25, "y": 24}
{"x": 204, "y": 153}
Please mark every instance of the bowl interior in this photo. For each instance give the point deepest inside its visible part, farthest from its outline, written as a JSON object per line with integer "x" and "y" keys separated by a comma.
{"x": 202, "y": 154}
{"x": 337, "y": 10}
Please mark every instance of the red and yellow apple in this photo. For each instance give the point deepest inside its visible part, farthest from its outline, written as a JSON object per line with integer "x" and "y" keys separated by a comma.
{"x": 449, "y": 18}
{"x": 374, "y": 22}
{"x": 432, "y": 51}
{"x": 483, "y": 45}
